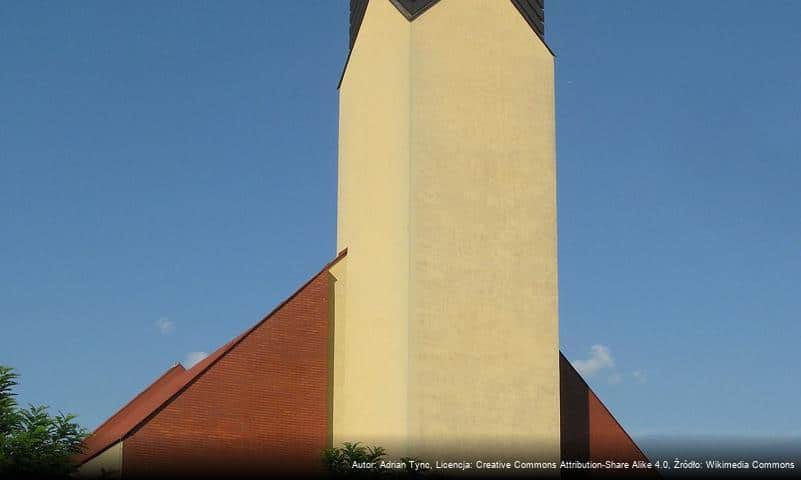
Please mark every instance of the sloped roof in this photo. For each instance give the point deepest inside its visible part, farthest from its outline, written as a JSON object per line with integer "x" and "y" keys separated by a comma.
{"x": 166, "y": 388}
{"x": 119, "y": 424}
{"x": 567, "y": 370}
{"x": 177, "y": 379}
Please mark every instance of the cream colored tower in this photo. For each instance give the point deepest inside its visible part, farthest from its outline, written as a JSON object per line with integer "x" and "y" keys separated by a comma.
{"x": 446, "y": 319}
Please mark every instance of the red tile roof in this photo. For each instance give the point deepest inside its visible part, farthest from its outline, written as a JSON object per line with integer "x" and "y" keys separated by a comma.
{"x": 122, "y": 422}
{"x": 165, "y": 389}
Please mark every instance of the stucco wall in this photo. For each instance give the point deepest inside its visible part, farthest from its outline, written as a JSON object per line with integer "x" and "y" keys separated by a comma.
{"x": 106, "y": 465}
{"x": 447, "y": 206}
{"x": 370, "y": 401}
{"x": 484, "y": 319}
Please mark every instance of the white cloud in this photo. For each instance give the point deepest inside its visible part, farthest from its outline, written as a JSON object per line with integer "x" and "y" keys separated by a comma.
{"x": 600, "y": 358}
{"x": 165, "y": 325}
{"x": 615, "y": 378}
{"x": 639, "y": 376}
{"x": 194, "y": 357}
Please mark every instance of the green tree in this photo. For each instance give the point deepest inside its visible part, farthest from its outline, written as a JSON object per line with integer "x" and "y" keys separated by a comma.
{"x": 33, "y": 442}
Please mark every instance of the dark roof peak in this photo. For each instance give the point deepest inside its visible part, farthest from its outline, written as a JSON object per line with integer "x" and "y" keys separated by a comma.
{"x": 532, "y": 10}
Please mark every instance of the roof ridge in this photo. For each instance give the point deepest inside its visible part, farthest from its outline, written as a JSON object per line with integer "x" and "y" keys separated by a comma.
{"x": 194, "y": 373}
{"x": 140, "y": 394}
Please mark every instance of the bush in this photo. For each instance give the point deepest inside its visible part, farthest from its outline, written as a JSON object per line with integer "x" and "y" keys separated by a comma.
{"x": 341, "y": 460}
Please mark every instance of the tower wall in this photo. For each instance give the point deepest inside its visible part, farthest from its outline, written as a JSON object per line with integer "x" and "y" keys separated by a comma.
{"x": 483, "y": 281}
{"x": 371, "y": 349}
{"x": 448, "y": 340}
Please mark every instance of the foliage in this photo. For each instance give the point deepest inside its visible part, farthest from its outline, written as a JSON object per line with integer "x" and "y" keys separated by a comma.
{"x": 356, "y": 460}
{"x": 340, "y": 460}
{"x": 33, "y": 442}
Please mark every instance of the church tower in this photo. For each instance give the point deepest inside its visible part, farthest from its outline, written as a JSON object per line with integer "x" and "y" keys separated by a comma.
{"x": 445, "y": 331}
{"x": 434, "y": 331}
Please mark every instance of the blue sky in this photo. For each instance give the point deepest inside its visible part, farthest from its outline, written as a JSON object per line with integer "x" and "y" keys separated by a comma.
{"x": 168, "y": 175}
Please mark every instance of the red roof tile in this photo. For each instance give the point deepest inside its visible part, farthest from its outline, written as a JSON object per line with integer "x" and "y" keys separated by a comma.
{"x": 116, "y": 427}
{"x": 171, "y": 384}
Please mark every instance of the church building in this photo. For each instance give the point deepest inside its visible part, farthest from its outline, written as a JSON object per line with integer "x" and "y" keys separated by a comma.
{"x": 434, "y": 331}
